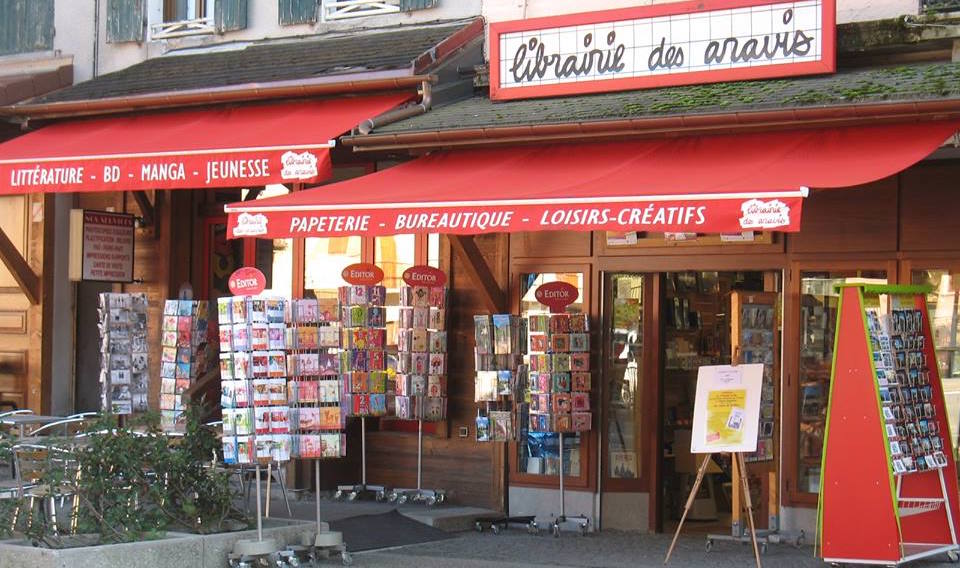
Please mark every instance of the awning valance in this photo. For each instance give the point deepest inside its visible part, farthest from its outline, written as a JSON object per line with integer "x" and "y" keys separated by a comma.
{"x": 706, "y": 184}
{"x": 238, "y": 146}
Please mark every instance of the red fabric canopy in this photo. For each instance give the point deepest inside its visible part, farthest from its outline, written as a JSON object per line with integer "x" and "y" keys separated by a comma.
{"x": 706, "y": 184}
{"x": 206, "y": 147}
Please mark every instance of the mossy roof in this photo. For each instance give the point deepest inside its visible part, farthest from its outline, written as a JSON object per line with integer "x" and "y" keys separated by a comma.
{"x": 900, "y": 83}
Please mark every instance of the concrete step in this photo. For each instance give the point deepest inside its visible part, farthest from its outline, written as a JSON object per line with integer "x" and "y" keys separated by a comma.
{"x": 447, "y": 518}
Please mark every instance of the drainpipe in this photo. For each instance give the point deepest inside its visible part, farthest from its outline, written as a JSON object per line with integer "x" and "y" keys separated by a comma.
{"x": 398, "y": 114}
{"x": 96, "y": 38}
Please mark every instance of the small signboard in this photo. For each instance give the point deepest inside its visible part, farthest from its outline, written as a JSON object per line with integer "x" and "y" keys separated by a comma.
{"x": 362, "y": 274}
{"x": 101, "y": 246}
{"x": 247, "y": 281}
{"x": 422, "y": 275}
{"x": 676, "y": 43}
{"x": 557, "y": 295}
{"x": 726, "y": 411}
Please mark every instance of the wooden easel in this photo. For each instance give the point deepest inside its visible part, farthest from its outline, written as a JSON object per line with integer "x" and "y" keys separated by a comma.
{"x": 739, "y": 472}
{"x": 738, "y": 464}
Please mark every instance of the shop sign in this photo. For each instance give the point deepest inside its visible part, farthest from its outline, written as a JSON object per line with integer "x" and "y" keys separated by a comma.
{"x": 362, "y": 274}
{"x": 149, "y": 171}
{"x": 557, "y": 295}
{"x": 247, "y": 281}
{"x": 424, "y": 276}
{"x": 716, "y": 213}
{"x": 681, "y": 43}
{"x": 106, "y": 246}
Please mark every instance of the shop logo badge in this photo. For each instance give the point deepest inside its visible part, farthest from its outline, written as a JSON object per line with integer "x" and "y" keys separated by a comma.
{"x": 424, "y": 276}
{"x": 557, "y": 295}
{"x": 758, "y": 214}
{"x": 298, "y": 166}
{"x": 362, "y": 274}
{"x": 247, "y": 281}
{"x": 250, "y": 225}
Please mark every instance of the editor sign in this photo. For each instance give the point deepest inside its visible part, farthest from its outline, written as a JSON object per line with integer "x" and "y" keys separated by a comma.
{"x": 362, "y": 274}
{"x": 557, "y": 295}
{"x": 424, "y": 276}
{"x": 247, "y": 281}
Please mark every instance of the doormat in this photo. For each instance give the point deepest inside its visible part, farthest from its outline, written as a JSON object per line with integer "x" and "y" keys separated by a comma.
{"x": 385, "y": 530}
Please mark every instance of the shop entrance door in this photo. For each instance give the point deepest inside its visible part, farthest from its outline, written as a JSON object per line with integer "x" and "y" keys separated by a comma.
{"x": 709, "y": 318}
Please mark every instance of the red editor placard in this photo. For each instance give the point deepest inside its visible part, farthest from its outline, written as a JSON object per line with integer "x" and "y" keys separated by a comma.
{"x": 247, "y": 281}
{"x": 557, "y": 295}
{"x": 422, "y": 275}
{"x": 362, "y": 274}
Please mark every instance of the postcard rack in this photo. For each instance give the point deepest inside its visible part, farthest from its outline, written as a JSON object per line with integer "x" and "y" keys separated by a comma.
{"x": 888, "y": 494}
{"x": 421, "y": 380}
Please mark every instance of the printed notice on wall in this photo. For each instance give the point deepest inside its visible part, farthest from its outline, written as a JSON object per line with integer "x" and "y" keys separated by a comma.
{"x": 726, "y": 412}
{"x": 107, "y": 246}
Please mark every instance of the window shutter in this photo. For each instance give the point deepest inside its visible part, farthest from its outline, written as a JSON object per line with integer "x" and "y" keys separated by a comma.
{"x": 298, "y": 12}
{"x": 411, "y": 5}
{"x": 25, "y": 26}
{"x": 124, "y": 20}
{"x": 230, "y": 15}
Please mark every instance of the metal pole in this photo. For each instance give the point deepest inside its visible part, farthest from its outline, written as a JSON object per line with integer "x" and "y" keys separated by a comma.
{"x": 363, "y": 450}
{"x": 419, "y": 453}
{"x": 563, "y": 514}
{"x": 259, "y": 507}
{"x": 316, "y": 471}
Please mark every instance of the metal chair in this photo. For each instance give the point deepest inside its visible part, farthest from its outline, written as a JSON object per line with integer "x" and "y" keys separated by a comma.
{"x": 33, "y": 462}
{"x": 47, "y": 429}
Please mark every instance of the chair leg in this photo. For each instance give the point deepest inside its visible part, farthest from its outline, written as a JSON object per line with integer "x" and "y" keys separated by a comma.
{"x": 283, "y": 489}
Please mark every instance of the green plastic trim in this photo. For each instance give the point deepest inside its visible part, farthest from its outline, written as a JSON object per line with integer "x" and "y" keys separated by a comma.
{"x": 896, "y": 289}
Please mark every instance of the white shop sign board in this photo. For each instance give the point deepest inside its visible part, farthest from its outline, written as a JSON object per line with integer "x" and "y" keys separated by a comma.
{"x": 726, "y": 412}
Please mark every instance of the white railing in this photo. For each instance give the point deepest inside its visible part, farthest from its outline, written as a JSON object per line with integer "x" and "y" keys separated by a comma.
{"x": 341, "y": 9}
{"x": 167, "y": 30}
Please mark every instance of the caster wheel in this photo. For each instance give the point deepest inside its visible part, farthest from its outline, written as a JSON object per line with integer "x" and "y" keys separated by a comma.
{"x": 763, "y": 548}
{"x": 431, "y": 501}
{"x": 338, "y": 496}
{"x": 380, "y": 496}
{"x": 953, "y": 556}
{"x": 392, "y": 497}
{"x": 532, "y": 528}
{"x": 346, "y": 558}
{"x": 441, "y": 497}
{"x": 556, "y": 530}
{"x": 352, "y": 496}
{"x": 402, "y": 499}
{"x": 478, "y": 526}
{"x": 495, "y": 528}
{"x": 583, "y": 529}
{"x": 709, "y": 545}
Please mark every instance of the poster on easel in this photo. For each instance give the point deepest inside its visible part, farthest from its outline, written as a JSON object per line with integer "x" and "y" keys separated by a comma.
{"x": 888, "y": 459}
{"x": 726, "y": 412}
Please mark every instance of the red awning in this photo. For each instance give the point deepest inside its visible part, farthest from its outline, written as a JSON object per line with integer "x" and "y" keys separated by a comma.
{"x": 239, "y": 146}
{"x": 706, "y": 184}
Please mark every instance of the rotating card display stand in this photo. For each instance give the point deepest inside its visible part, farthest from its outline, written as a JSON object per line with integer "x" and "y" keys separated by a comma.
{"x": 560, "y": 380}
{"x": 363, "y": 361}
{"x": 421, "y": 380}
{"x": 256, "y": 421}
{"x": 316, "y": 420}
{"x": 500, "y": 386}
{"x": 888, "y": 494}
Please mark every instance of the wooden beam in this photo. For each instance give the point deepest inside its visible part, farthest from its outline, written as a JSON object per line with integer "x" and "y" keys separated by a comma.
{"x": 495, "y": 301}
{"x": 147, "y": 210}
{"x": 26, "y": 278}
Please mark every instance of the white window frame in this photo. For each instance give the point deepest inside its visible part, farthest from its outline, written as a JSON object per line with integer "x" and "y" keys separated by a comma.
{"x": 332, "y": 10}
{"x": 160, "y": 29}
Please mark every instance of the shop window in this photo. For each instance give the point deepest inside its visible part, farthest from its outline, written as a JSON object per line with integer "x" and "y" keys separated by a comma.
{"x": 818, "y": 319}
{"x": 179, "y": 18}
{"x": 394, "y": 255}
{"x": 433, "y": 250}
{"x": 323, "y": 262}
{"x": 944, "y": 305}
{"x": 624, "y": 375}
{"x": 538, "y": 452}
